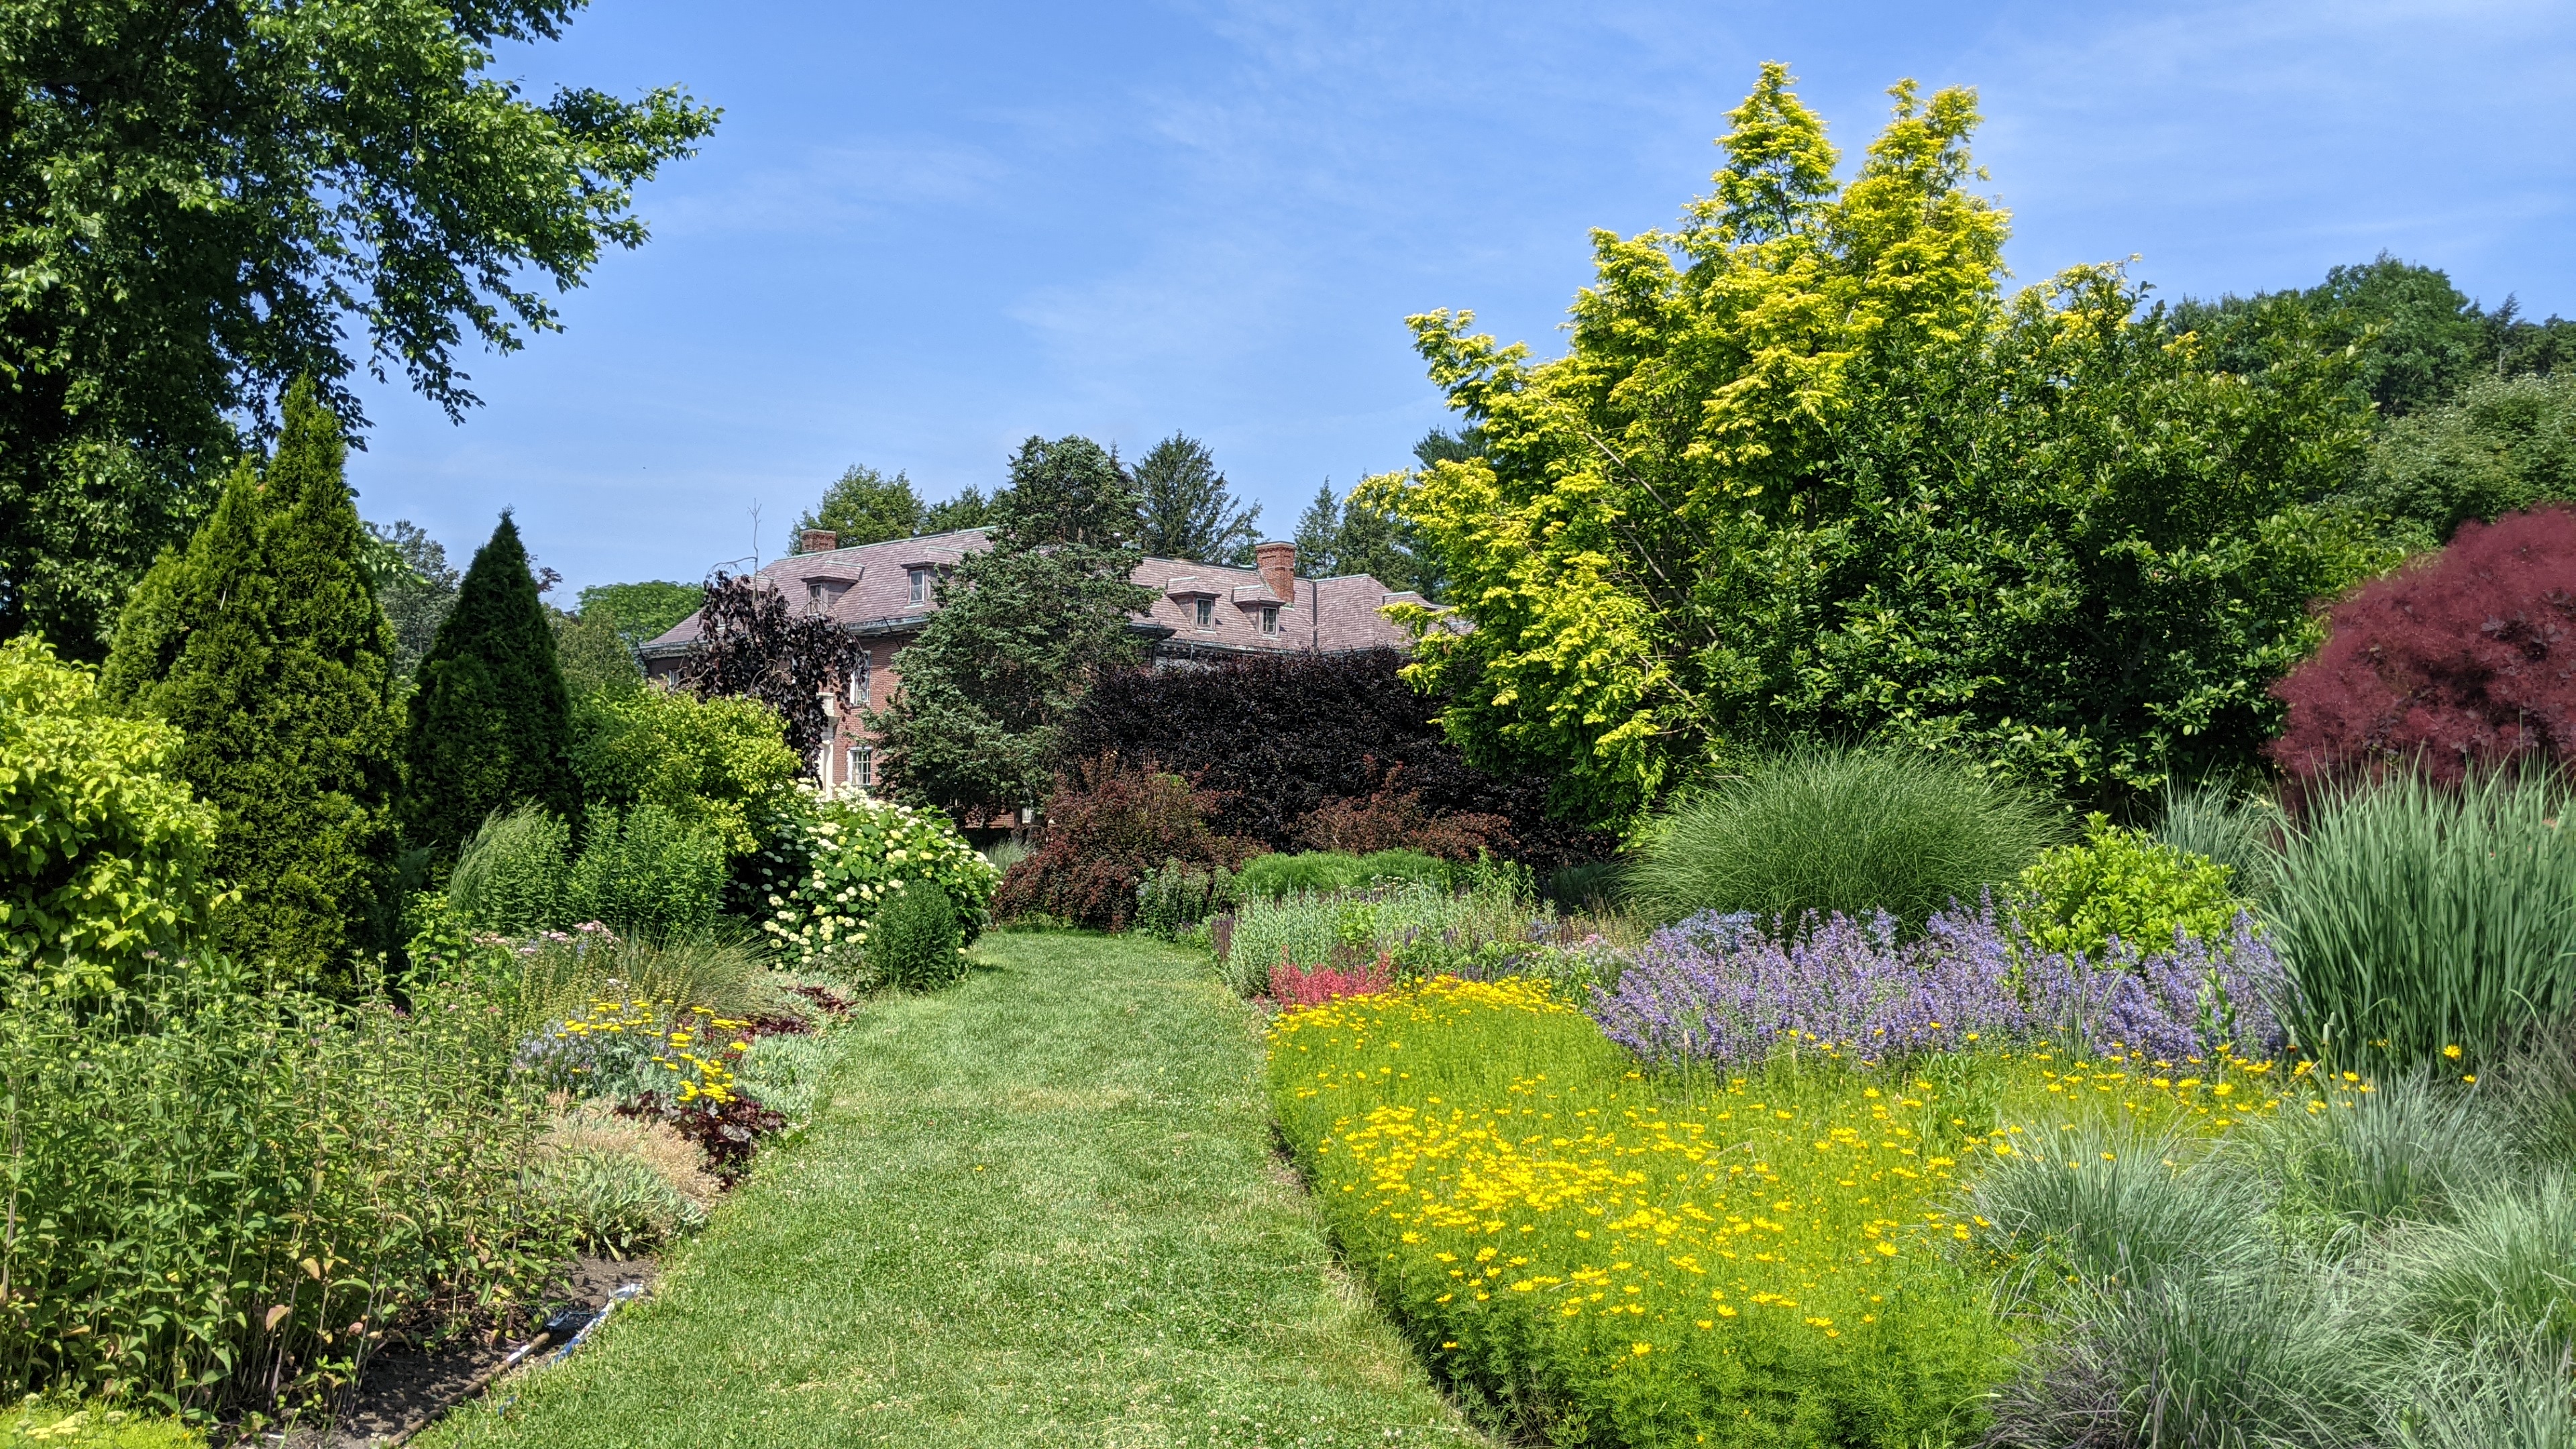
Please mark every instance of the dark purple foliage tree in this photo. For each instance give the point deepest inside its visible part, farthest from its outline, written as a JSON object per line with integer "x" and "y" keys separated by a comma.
{"x": 754, "y": 645}
{"x": 1276, "y": 738}
{"x": 2463, "y": 662}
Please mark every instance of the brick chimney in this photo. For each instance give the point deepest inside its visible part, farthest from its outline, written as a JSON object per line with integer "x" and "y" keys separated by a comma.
{"x": 817, "y": 540}
{"x": 1278, "y": 565}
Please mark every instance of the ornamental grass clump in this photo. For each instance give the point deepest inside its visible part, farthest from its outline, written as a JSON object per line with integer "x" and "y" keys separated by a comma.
{"x": 1720, "y": 990}
{"x": 2415, "y": 917}
{"x": 1859, "y": 831}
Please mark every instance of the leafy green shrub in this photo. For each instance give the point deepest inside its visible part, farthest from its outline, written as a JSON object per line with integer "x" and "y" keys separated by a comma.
{"x": 2415, "y": 919}
{"x": 510, "y": 875}
{"x": 2122, "y": 883}
{"x": 232, "y": 1175}
{"x": 104, "y": 855}
{"x": 836, "y": 859}
{"x": 713, "y": 763}
{"x": 1850, "y": 830}
{"x": 645, "y": 873}
{"x": 916, "y": 944}
{"x": 1176, "y": 897}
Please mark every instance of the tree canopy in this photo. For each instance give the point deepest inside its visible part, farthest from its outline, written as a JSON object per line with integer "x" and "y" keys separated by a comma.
{"x": 1020, "y": 631}
{"x": 206, "y": 201}
{"x": 639, "y": 612}
{"x": 863, "y": 506}
{"x": 1806, "y": 471}
{"x": 1187, "y": 510}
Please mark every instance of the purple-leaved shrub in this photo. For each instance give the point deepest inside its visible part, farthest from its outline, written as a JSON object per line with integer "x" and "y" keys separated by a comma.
{"x": 1720, "y": 990}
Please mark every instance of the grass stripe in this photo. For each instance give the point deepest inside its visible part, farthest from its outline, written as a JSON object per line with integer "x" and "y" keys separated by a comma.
{"x": 1130, "y": 1267}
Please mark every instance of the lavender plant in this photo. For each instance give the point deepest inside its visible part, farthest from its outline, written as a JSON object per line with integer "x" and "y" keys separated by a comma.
{"x": 1719, "y": 989}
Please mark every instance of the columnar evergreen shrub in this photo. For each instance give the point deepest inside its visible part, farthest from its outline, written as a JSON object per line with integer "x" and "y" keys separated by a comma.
{"x": 916, "y": 944}
{"x": 491, "y": 727}
{"x": 264, "y": 644}
{"x": 105, "y": 855}
{"x": 2465, "y": 661}
{"x": 1274, "y": 739}
{"x": 1109, "y": 822}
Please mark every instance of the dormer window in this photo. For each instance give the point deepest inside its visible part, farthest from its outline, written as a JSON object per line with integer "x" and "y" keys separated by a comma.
{"x": 920, "y": 585}
{"x": 1269, "y": 620}
{"x": 816, "y": 600}
{"x": 1205, "y": 612}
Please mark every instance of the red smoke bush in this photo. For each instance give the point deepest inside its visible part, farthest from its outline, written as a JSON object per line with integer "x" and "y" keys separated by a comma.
{"x": 2468, "y": 660}
{"x": 1107, "y": 824}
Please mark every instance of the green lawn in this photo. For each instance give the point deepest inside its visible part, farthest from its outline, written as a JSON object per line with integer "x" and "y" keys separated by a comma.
{"x": 1041, "y": 1208}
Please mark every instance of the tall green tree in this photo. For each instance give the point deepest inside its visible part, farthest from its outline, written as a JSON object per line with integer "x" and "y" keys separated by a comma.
{"x": 863, "y": 506}
{"x": 491, "y": 726}
{"x": 1805, "y": 471}
{"x": 1362, "y": 534}
{"x": 2405, "y": 338}
{"x": 208, "y": 200}
{"x": 416, "y": 585}
{"x": 1186, "y": 508}
{"x": 263, "y": 642}
{"x": 969, "y": 509}
{"x": 2504, "y": 444}
{"x": 1019, "y": 633}
{"x": 640, "y": 612}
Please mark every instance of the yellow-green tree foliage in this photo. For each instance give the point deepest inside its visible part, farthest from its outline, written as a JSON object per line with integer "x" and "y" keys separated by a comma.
{"x": 1805, "y": 470}
{"x": 711, "y": 762}
{"x": 104, "y": 853}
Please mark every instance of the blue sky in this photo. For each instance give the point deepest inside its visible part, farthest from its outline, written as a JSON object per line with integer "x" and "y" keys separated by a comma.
{"x": 924, "y": 232}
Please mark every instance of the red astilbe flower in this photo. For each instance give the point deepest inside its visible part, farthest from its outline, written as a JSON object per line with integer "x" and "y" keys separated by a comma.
{"x": 2465, "y": 662}
{"x": 1292, "y": 985}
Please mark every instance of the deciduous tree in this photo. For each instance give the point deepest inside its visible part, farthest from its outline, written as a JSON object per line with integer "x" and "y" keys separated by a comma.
{"x": 1805, "y": 471}
{"x": 863, "y": 506}
{"x": 208, "y": 200}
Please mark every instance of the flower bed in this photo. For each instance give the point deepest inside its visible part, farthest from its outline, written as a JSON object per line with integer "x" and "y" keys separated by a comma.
{"x": 1750, "y": 1259}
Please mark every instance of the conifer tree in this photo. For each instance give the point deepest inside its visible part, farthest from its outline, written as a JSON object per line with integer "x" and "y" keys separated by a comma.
{"x": 263, "y": 642}
{"x": 491, "y": 727}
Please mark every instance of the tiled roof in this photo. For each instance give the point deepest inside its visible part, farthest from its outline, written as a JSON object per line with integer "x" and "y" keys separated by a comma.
{"x": 869, "y": 588}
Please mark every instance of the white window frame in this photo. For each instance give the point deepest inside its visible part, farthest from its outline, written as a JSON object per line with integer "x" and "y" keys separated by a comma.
{"x": 1269, "y": 621}
{"x": 920, "y": 585}
{"x": 861, "y": 769}
{"x": 1203, "y": 612}
{"x": 859, "y": 681}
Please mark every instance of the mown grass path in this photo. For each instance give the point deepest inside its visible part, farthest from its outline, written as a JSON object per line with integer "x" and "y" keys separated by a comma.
{"x": 1041, "y": 1209}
